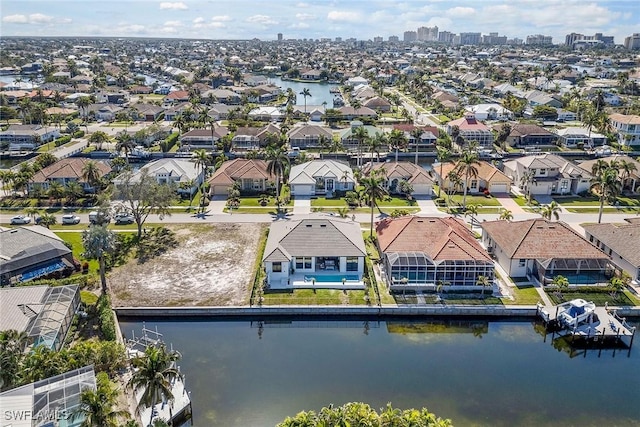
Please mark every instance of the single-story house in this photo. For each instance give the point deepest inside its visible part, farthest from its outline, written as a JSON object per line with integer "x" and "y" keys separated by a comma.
{"x": 541, "y": 249}
{"x": 421, "y": 253}
{"x": 395, "y": 172}
{"x": 529, "y": 135}
{"x": 573, "y": 137}
{"x": 29, "y": 253}
{"x": 252, "y": 176}
{"x": 488, "y": 178}
{"x": 203, "y": 138}
{"x": 489, "y": 112}
{"x": 178, "y": 172}
{"x": 548, "y": 174}
{"x": 630, "y": 179}
{"x": 315, "y": 253}
{"x": 105, "y": 112}
{"x": 146, "y": 112}
{"x": 320, "y": 177}
{"x": 27, "y": 137}
{"x": 266, "y": 113}
{"x": 621, "y": 241}
{"x": 350, "y": 113}
{"x": 65, "y": 171}
{"x": 377, "y": 104}
{"x": 308, "y": 136}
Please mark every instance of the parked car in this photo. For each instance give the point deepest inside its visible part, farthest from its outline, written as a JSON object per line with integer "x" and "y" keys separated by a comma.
{"x": 96, "y": 217}
{"x": 124, "y": 218}
{"x": 20, "y": 220}
{"x": 70, "y": 219}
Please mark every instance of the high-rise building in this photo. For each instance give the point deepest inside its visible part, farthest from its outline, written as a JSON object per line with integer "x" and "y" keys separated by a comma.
{"x": 494, "y": 39}
{"x": 338, "y": 39}
{"x": 514, "y": 41}
{"x": 427, "y": 34}
{"x": 279, "y": 37}
{"x": 470, "y": 38}
{"x": 410, "y": 36}
{"x": 632, "y": 42}
{"x": 539, "y": 40}
{"x": 394, "y": 39}
{"x": 377, "y": 39}
{"x": 574, "y": 39}
{"x": 446, "y": 37}
{"x": 570, "y": 39}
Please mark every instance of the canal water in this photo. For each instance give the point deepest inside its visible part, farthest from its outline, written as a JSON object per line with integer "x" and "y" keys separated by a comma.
{"x": 243, "y": 373}
{"x": 319, "y": 91}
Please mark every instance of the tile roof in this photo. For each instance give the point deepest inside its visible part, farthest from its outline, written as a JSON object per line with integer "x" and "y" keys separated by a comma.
{"x": 468, "y": 122}
{"x": 238, "y": 169}
{"x": 539, "y": 239}
{"x": 70, "y": 167}
{"x": 486, "y": 172}
{"x": 623, "y": 238}
{"x": 404, "y": 170}
{"x": 439, "y": 238}
{"x": 626, "y": 119}
{"x": 300, "y": 174}
{"x": 522, "y": 129}
{"x": 314, "y": 237}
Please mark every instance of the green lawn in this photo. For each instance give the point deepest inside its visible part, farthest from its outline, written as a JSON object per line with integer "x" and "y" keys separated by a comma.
{"x": 75, "y": 240}
{"x": 522, "y": 201}
{"x": 323, "y": 201}
{"x": 484, "y": 201}
{"x": 314, "y": 297}
{"x": 524, "y": 294}
{"x": 599, "y": 298}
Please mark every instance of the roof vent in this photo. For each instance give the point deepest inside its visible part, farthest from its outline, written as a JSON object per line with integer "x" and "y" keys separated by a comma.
{"x": 420, "y": 220}
{"x": 323, "y": 225}
{"x": 309, "y": 225}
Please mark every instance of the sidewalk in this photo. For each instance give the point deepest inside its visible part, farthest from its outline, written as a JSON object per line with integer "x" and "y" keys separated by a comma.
{"x": 509, "y": 204}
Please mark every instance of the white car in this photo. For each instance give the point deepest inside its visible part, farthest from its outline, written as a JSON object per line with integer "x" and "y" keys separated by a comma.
{"x": 70, "y": 219}
{"x": 20, "y": 220}
{"x": 124, "y": 218}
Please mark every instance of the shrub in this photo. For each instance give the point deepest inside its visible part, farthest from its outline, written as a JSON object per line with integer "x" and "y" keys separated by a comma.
{"x": 78, "y": 134}
{"x": 107, "y": 323}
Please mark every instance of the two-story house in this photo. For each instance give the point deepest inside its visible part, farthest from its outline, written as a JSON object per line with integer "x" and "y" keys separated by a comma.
{"x": 628, "y": 128}
{"x": 471, "y": 129}
{"x": 65, "y": 171}
{"x": 320, "y": 177}
{"x": 547, "y": 174}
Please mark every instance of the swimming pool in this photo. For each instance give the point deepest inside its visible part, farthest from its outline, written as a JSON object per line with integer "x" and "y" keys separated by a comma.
{"x": 332, "y": 278}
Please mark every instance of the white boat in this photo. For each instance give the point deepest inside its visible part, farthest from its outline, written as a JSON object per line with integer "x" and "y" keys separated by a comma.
{"x": 574, "y": 312}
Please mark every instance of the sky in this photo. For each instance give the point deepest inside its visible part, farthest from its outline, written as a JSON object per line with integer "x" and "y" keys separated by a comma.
{"x": 362, "y": 19}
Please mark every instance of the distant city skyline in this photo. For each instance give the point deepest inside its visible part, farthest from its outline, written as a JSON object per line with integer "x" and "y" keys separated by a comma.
{"x": 242, "y": 19}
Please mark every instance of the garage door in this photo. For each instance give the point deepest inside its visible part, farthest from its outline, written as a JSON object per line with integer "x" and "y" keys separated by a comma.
{"x": 498, "y": 188}
{"x": 302, "y": 190}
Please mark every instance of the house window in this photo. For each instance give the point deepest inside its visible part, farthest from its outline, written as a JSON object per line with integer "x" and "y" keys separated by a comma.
{"x": 352, "y": 263}
{"x": 303, "y": 263}
{"x": 276, "y": 267}
{"x": 522, "y": 262}
{"x": 474, "y": 184}
{"x": 564, "y": 184}
{"x": 543, "y": 171}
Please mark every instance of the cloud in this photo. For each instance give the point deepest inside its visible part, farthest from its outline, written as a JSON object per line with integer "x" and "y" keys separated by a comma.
{"x": 304, "y": 16}
{"x": 198, "y": 20}
{"x": 459, "y": 11}
{"x": 221, "y": 18}
{"x": 173, "y": 6}
{"x": 345, "y": 16}
{"x": 35, "y": 18}
{"x": 262, "y": 19}
{"x": 173, "y": 24}
{"x": 299, "y": 25}
{"x": 301, "y": 4}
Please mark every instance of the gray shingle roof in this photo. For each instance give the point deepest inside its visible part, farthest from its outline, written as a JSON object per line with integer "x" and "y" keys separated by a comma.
{"x": 24, "y": 246}
{"x": 623, "y": 239}
{"x": 313, "y": 237}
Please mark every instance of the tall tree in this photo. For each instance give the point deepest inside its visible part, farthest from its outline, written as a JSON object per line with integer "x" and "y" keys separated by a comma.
{"x": 374, "y": 191}
{"x": 398, "y": 141}
{"x": 12, "y": 347}
{"x": 607, "y": 186}
{"x": 98, "y": 138}
{"x": 91, "y": 173}
{"x": 552, "y": 210}
{"x": 443, "y": 155}
{"x": 467, "y": 165}
{"x": 278, "y": 164}
{"x": 125, "y": 143}
{"x": 361, "y": 135}
{"x": 305, "y": 93}
{"x": 154, "y": 372}
{"x": 99, "y": 242}
{"x": 142, "y": 195}
{"x": 98, "y": 407}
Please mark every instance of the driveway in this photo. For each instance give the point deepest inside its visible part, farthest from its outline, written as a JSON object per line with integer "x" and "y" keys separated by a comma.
{"x": 302, "y": 205}
{"x": 509, "y": 204}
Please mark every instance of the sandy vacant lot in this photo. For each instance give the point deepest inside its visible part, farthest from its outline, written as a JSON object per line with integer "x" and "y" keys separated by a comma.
{"x": 213, "y": 265}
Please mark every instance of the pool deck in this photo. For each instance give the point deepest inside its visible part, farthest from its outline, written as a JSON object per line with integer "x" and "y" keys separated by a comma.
{"x": 301, "y": 281}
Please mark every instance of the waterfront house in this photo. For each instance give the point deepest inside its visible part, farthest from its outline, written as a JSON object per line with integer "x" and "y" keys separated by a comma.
{"x": 395, "y": 172}
{"x": 630, "y": 181}
{"x": 29, "y": 253}
{"x": 420, "y": 253}
{"x": 349, "y": 142}
{"x": 65, "y": 171}
{"x": 251, "y": 175}
{"x": 27, "y": 137}
{"x": 488, "y": 178}
{"x": 323, "y": 253}
{"x": 426, "y": 141}
{"x": 540, "y": 249}
{"x": 308, "y": 136}
{"x": 489, "y": 112}
{"x": 621, "y": 241}
{"x": 530, "y": 135}
{"x": 628, "y": 128}
{"x": 547, "y": 174}
{"x": 320, "y": 177}
{"x": 579, "y": 137}
{"x": 203, "y": 138}
{"x": 471, "y": 129}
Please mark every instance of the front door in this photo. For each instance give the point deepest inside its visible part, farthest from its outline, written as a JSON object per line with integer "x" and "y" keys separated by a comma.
{"x": 330, "y": 185}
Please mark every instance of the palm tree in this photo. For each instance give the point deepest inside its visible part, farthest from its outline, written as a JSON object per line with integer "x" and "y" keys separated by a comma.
{"x": 12, "y": 346}
{"x": 374, "y": 191}
{"x": 125, "y": 143}
{"x": 398, "y": 141}
{"x": 82, "y": 103}
{"x": 201, "y": 159}
{"x": 378, "y": 141}
{"x": 626, "y": 168}
{"x": 56, "y": 191}
{"x": 154, "y": 373}
{"x": 472, "y": 211}
{"x": 443, "y": 156}
{"x": 98, "y": 407}
{"x": 455, "y": 182}
{"x": 305, "y": 92}
{"x": 98, "y": 242}
{"x": 468, "y": 165}
{"x": 416, "y": 134}
{"x": 552, "y": 210}
{"x": 361, "y": 134}
{"x": 526, "y": 180}
{"x": 48, "y": 219}
{"x": 73, "y": 191}
{"x": 484, "y": 282}
{"x": 98, "y": 138}
{"x": 91, "y": 173}
{"x": 278, "y": 165}
{"x": 506, "y": 215}
{"x": 607, "y": 186}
